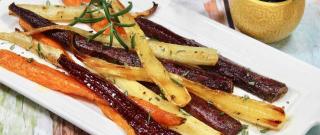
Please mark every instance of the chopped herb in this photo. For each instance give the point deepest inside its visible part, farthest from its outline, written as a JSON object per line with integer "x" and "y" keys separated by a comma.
{"x": 150, "y": 99}
{"x": 176, "y": 82}
{"x": 12, "y": 47}
{"x": 264, "y": 130}
{"x": 170, "y": 52}
{"x": 144, "y": 93}
{"x": 39, "y": 51}
{"x": 162, "y": 94}
{"x": 30, "y": 47}
{"x": 179, "y": 51}
{"x": 244, "y": 130}
{"x": 113, "y": 81}
{"x": 126, "y": 93}
{"x": 149, "y": 117}
{"x": 133, "y": 41}
{"x": 30, "y": 60}
{"x": 195, "y": 51}
{"x": 221, "y": 113}
{"x": 183, "y": 112}
{"x": 185, "y": 73}
{"x": 157, "y": 98}
{"x": 245, "y": 98}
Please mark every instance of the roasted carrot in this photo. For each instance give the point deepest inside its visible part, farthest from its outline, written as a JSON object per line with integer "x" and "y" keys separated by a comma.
{"x": 114, "y": 116}
{"x": 75, "y": 3}
{"x": 101, "y": 24}
{"x": 58, "y": 81}
{"x": 43, "y": 75}
{"x": 159, "y": 115}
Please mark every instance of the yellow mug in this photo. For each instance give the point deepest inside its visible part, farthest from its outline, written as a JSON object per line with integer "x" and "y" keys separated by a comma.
{"x": 267, "y": 21}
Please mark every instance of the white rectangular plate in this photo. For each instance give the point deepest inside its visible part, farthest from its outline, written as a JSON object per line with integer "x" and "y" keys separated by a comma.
{"x": 300, "y": 103}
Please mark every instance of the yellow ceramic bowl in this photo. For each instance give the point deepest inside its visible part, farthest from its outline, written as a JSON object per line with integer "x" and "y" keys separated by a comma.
{"x": 267, "y": 21}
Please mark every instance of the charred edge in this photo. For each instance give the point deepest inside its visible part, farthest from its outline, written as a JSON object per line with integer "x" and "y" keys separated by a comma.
{"x": 274, "y": 123}
{"x": 134, "y": 114}
{"x": 263, "y": 87}
{"x": 278, "y": 109}
{"x": 268, "y": 89}
{"x": 206, "y": 112}
{"x": 152, "y": 30}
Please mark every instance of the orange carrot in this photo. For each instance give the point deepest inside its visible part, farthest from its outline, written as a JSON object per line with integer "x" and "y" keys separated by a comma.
{"x": 114, "y": 116}
{"x": 58, "y": 81}
{"x": 101, "y": 24}
{"x": 159, "y": 115}
{"x": 75, "y": 3}
{"x": 43, "y": 75}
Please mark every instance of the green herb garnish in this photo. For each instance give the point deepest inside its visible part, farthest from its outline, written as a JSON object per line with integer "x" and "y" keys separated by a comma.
{"x": 133, "y": 41}
{"x": 176, "y": 82}
{"x": 162, "y": 94}
{"x": 183, "y": 112}
{"x": 244, "y": 130}
{"x": 264, "y": 130}
{"x": 12, "y": 47}
{"x": 149, "y": 117}
{"x": 245, "y": 98}
{"x": 105, "y": 6}
{"x": 40, "y": 54}
{"x": 185, "y": 73}
{"x": 126, "y": 93}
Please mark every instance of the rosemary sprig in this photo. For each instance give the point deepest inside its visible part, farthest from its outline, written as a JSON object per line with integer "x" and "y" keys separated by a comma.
{"x": 89, "y": 20}
{"x": 97, "y": 5}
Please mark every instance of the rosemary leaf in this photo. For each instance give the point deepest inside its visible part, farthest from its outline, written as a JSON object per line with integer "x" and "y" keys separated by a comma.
{"x": 122, "y": 43}
{"x": 89, "y": 20}
{"x": 133, "y": 41}
{"x": 111, "y": 37}
{"x": 124, "y": 11}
